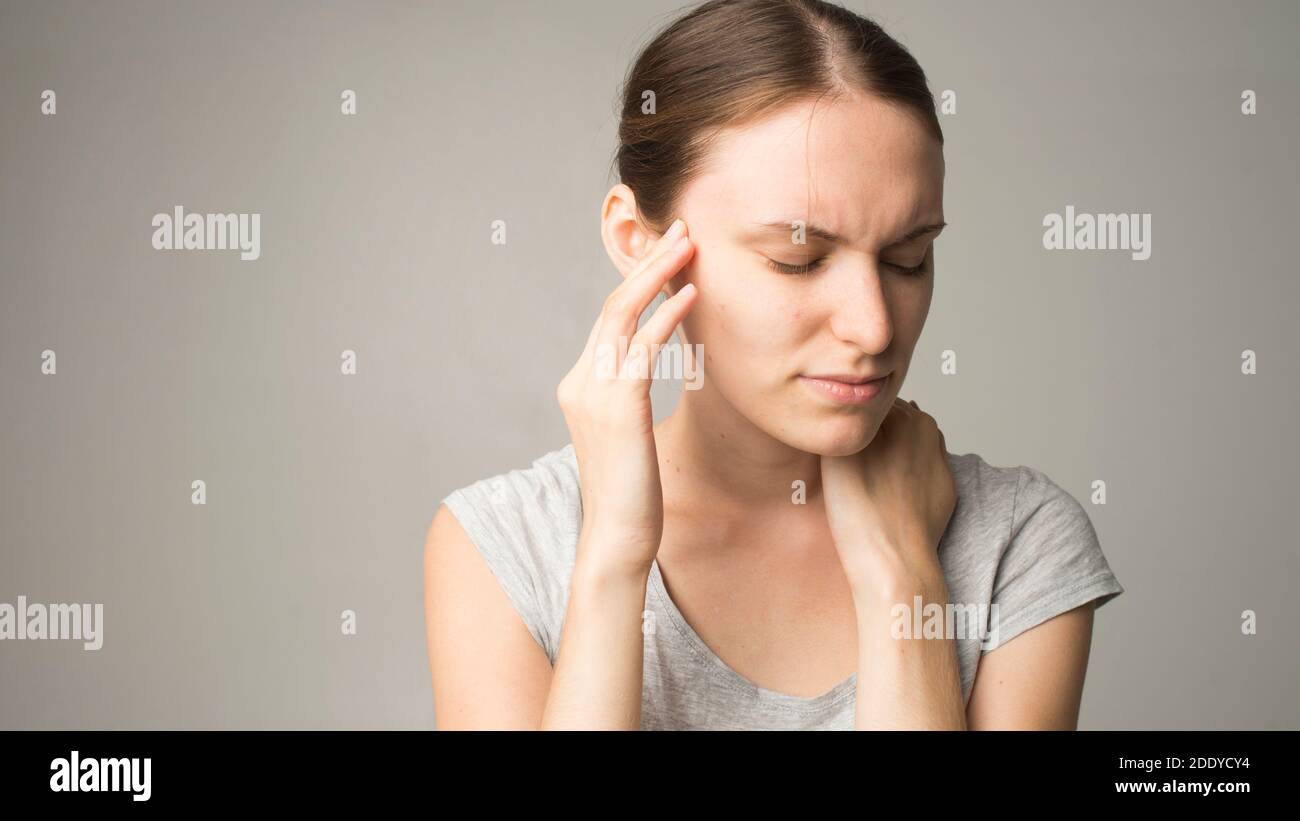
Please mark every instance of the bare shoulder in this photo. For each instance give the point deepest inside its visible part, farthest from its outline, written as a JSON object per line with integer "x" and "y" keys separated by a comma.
{"x": 487, "y": 670}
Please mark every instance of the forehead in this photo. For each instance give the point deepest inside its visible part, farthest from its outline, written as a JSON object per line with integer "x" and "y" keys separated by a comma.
{"x": 864, "y": 168}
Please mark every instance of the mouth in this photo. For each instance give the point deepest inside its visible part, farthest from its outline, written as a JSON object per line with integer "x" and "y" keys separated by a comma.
{"x": 846, "y": 389}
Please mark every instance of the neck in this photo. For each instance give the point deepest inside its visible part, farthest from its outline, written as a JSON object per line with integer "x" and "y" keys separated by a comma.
{"x": 713, "y": 458}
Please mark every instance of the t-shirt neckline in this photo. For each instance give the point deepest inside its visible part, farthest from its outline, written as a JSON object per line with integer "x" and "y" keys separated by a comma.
{"x": 728, "y": 675}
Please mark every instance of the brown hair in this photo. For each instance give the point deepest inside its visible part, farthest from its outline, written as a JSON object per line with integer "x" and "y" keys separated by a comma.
{"x": 728, "y": 62}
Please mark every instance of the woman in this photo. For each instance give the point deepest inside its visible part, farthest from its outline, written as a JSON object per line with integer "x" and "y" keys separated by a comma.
{"x": 761, "y": 558}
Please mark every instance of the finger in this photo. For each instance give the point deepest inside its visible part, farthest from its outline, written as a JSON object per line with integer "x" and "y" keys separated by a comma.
{"x": 626, "y": 304}
{"x": 658, "y": 329}
{"x": 670, "y": 242}
{"x": 665, "y": 241}
{"x": 645, "y": 283}
{"x": 591, "y": 337}
{"x": 656, "y": 332}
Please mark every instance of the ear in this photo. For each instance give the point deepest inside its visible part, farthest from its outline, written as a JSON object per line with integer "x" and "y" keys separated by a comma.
{"x": 627, "y": 239}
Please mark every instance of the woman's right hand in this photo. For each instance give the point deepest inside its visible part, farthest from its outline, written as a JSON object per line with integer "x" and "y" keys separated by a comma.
{"x": 605, "y": 398}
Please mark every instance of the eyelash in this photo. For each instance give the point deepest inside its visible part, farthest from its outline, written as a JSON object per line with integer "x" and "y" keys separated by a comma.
{"x": 807, "y": 269}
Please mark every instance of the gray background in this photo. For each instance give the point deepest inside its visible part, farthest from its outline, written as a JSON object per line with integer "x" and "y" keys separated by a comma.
{"x": 375, "y": 237}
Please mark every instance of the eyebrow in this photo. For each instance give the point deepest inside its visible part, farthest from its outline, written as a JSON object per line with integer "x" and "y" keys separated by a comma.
{"x": 786, "y": 226}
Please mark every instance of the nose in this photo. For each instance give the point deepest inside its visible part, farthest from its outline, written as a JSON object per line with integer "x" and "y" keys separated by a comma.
{"x": 860, "y": 310}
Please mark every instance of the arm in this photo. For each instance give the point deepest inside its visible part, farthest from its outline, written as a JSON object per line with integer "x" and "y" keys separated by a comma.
{"x": 888, "y": 507}
{"x": 903, "y": 683}
{"x": 598, "y": 669}
{"x": 1035, "y": 680}
{"x": 488, "y": 671}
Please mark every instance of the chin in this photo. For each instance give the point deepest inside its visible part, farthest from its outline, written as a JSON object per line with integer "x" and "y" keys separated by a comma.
{"x": 835, "y": 436}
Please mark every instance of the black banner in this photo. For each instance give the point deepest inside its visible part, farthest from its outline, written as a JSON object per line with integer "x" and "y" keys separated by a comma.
{"x": 333, "y": 769}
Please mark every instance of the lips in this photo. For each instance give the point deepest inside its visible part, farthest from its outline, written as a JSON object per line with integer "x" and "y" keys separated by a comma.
{"x": 849, "y": 389}
{"x": 846, "y": 378}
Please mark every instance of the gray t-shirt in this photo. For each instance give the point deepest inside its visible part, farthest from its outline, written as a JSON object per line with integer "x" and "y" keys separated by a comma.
{"x": 1018, "y": 550}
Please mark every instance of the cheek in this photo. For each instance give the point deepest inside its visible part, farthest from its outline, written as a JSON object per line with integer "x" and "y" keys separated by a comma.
{"x": 741, "y": 317}
{"x": 910, "y": 306}
{"x": 799, "y": 318}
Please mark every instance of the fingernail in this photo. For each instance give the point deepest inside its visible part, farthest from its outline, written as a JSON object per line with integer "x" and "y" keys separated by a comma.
{"x": 675, "y": 229}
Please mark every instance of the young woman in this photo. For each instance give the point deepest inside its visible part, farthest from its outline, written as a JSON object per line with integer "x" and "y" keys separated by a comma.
{"x": 760, "y": 559}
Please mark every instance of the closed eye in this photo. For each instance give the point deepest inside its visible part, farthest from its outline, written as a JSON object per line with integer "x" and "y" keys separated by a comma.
{"x": 807, "y": 268}
{"x": 914, "y": 270}
{"x": 799, "y": 270}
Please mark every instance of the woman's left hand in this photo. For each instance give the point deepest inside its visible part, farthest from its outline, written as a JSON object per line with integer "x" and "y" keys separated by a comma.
{"x": 889, "y": 504}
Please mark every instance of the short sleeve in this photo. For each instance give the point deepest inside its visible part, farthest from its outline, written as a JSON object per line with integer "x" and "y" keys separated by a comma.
{"x": 497, "y": 530}
{"x": 1053, "y": 561}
